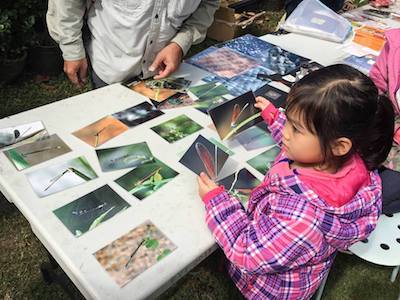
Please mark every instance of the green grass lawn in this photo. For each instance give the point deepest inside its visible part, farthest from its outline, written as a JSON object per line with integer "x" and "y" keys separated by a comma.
{"x": 22, "y": 253}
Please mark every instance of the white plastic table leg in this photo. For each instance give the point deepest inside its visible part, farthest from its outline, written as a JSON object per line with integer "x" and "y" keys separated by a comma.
{"x": 394, "y": 273}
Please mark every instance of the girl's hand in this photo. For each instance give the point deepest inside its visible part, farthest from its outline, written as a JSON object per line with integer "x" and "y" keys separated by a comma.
{"x": 205, "y": 184}
{"x": 261, "y": 103}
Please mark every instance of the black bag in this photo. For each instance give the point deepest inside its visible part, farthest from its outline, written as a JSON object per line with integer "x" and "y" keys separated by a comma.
{"x": 390, "y": 190}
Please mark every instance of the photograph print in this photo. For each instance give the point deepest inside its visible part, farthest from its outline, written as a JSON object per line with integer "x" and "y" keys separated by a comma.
{"x": 22, "y": 134}
{"x": 128, "y": 156}
{"x": 101, "y": 131}
{"x": 263, "y": 162}
{"x": 89, "y": 211}
{"x": 137, "y": 114}
{"x": 204, "y": 156}
{"x": 146, "y": 179}
{"x": 37, "y": 152}
{"x": 56, "y": 178}
{"x": 177, "y": 128}
{"x": 236, "y": 115}
{"x": 134, "y": 252}
{"x": 240, "y": 184}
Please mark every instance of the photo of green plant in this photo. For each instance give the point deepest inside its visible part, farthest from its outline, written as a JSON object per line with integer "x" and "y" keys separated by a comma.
{"x": 89, "y": 211}
{"x": 204, "y": 105}
{"x": 207, "y": 91}
{"x": 177, "y": 128}
{"x": 128, "y": 156}
{"x": 208, "y": 95}
{"x": 56, "y": 178}
{"x": 37, "y": 152}
{"x": 144, "y": 180}
{"x": 240, "y": 184}
{"x": 263, "y": 162}
{"x": 134, "y": 252}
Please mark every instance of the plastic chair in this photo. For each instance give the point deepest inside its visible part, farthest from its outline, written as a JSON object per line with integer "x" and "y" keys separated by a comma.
{"x": 382, "y": 247}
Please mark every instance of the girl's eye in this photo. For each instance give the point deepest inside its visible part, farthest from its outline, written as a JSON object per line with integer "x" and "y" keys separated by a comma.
{"x": 295, "y": 130}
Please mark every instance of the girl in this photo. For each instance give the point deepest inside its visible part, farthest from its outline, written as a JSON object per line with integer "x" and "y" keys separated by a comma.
{"x": 322, "y": 193}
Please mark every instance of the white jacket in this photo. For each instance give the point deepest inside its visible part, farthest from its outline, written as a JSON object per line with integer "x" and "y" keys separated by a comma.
{"x": 126, "y": 35}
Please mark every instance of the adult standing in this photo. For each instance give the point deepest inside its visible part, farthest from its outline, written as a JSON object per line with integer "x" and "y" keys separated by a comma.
{"x": 127, "y": 37}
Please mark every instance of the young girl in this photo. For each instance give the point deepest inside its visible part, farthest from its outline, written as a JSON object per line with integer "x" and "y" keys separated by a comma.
{"x": 322, "y": 193}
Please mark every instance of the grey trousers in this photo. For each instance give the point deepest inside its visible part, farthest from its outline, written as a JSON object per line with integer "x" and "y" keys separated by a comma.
{"x": 96, "y": 81}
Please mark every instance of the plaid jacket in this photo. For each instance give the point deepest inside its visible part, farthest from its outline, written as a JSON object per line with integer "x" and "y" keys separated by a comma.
{"x": 284, "y": 244}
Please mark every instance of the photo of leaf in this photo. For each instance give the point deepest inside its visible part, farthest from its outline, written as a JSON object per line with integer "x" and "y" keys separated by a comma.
{"x": 89, "y": 211}
{"x": 204, "y": 105}
{"x": 37, "y": 152}
{"x": 128, "y": 156}
{"x": 177, "y": 128}
{"x": 255, "y": 137}
{"x": 134, "y": 252}
{"x": 100, "y": 131}
{"x": 263, "y": 162}
{"x": 22, "y": 134}
{"x": 236, "y": 115}
{"x": 138, "y": 114}
{"x": 60, "y": 177}
{"x": 240, "y": 184}
{"x": 204, "y": 156}
{"x": 207, "y": 91}
{"x": 144, "y": 180}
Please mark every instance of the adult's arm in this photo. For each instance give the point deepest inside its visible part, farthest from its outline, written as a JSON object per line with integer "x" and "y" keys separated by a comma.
{"x": 65, "y": 21}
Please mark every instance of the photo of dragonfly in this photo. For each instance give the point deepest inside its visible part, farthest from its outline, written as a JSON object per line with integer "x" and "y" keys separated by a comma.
{"x": 127, "y": 156}
{"x": 134, "y": 252}
{"x": 22, "y": 134}
{"x": 89, "y": 211}
{"x": 56, "y": 178}
{"x": 101, "y": 131}
{"x": 147, "y": 178}
{"x": 235, "y": 115}
{"x": 204, "y": 156}
{"x": 37, "y": 152}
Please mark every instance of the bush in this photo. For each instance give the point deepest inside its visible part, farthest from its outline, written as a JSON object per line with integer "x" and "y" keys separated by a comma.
{"x": 17, "y": 18}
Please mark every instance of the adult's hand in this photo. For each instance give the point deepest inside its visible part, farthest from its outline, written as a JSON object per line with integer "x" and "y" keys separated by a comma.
{"x": 167, "y": 60}
{"x": 77, "y": 71}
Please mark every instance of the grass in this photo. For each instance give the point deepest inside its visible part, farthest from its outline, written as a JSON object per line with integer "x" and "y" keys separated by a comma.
{"x": 21, "y": 253}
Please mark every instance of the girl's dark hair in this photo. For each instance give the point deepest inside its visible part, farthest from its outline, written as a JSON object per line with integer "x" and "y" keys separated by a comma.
{"x": 339, "y": 101}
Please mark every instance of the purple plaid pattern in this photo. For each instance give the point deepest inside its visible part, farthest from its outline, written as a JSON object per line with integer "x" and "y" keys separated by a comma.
{"x": 283, "y": 245}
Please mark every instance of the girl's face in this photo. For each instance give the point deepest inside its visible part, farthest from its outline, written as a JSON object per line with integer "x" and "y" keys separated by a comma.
{"x": 301, "y": 145}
